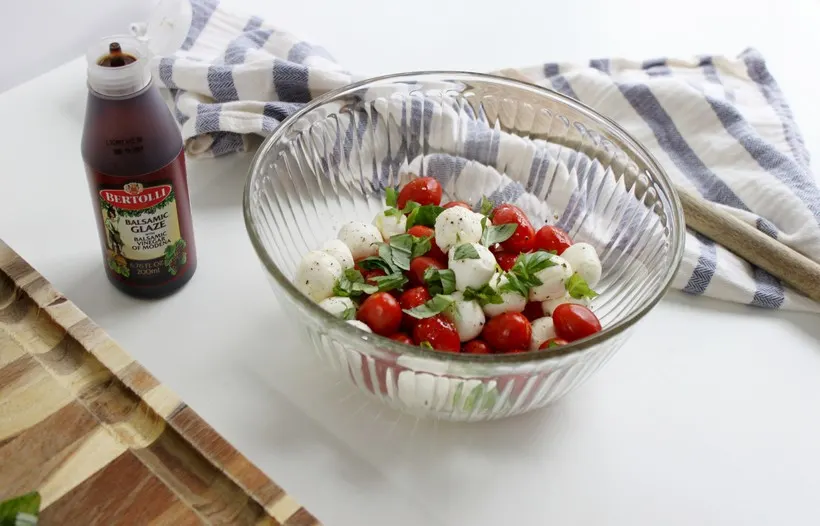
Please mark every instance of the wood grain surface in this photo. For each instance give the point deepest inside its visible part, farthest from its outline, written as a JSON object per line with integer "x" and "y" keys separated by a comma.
{"x": 99, "y": 437}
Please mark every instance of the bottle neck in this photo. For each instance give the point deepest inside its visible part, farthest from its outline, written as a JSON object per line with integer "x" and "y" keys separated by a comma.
{"x": 119, "y": 82}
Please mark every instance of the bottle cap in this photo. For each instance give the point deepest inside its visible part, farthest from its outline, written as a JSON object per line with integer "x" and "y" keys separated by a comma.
{"x": 118, "y": 66}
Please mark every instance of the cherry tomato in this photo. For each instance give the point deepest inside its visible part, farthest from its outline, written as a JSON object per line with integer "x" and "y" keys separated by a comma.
{"x": 505, "y": 260}
{"x": 381, "y": 312}
{"x": 439, "y": 332}
{"x": 435, "y": 252}
{"x": 402, "y": 338}
{"x": 552, "y": 238}
{"x": 573, "y": 322}
{"x": 476, "y": 347}
{"x": 508, "y": 331}
{"x": 356, "y": 266}
{"x": 553, "y": 342}
{"x": 409, "y": 299}
{"x": 419, "y": 265}
{"x": 462, "y": 204}
{"x": 533, "y": 310}
{"x": 423, "y": 190}
{"x": 522, "y": 238}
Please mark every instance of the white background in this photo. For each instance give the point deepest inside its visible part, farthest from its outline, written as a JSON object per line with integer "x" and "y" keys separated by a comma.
{"x": 709, "y": 415}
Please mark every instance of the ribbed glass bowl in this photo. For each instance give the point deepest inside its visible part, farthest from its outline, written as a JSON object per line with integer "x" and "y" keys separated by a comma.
{"x": 479, "y": 135}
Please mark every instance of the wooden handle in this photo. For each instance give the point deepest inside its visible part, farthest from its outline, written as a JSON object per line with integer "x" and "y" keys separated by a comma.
{"x": 751, "y": 244}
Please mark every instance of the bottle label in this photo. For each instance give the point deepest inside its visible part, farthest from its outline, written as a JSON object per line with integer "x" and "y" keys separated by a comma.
{"x": 145, "y": 224}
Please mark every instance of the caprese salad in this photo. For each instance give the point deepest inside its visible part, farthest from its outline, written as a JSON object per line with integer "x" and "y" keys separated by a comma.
{"x": 451, "y": 279}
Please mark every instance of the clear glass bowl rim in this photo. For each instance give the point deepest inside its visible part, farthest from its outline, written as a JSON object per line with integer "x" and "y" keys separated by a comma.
{"x": 353, "y": 334}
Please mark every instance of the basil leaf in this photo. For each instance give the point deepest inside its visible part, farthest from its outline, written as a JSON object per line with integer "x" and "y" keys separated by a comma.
{"x": 21, "y": 511}
{"x": 483, "y": 295}
{"x": 426, "y": 345}
{"x": 552, "y": 344}
{"x": 401, "y": 248}
{"x": 389, "y": 282}
{"x": 377, "y": 263}
{"x": 424, "y": 215}
{"x": 522, "y": 276}
{"x": 432, "y": 307}
{"x": 578, "y": 288}
{"x": 421, "y": 246}
{"x": 465, "y": 251}
{"x": 392, "y": 212}
{"x": 440, "y": 281}
{"x": 349, "y": 314}
{"x": 351, "y": 284}
{"x": 497, "y": 234}
{"x": 391, "y": 197}
{"x": 386, "y": 254}
{"x": 486, "y": 206}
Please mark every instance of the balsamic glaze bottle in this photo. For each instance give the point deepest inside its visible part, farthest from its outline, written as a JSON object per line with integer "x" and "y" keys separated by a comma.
{"x": 135, "y": 164}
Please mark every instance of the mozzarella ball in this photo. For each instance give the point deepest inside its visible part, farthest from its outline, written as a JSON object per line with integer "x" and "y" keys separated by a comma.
{"x": 340, "y": 251}
{"x": 360, "y": 324}
{"x": 473, "y": 273}
{"x": 553, "y": 280}
{"x": 542, "y": 330}
{"x": 457, "y": 225}
{"x": 467, "y": 316}
{"x": 317, "y": 274}
{"x": 391, "y": 225}
{"x": 549, "y": 305}
{"x": 513, "y": 302}
{"x": 337, "y": 305}
{"x": 362, "y": 239}
{"x": 584, "y": 260}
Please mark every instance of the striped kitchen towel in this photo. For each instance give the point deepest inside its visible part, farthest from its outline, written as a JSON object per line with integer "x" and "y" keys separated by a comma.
{"x": 719, "y": 125}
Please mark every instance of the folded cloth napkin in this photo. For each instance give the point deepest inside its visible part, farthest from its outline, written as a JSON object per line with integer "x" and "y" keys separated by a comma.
{"x": 720, "y": 126}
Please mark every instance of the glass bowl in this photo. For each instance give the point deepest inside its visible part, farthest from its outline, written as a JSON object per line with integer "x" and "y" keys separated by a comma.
{"x": 479, "y": 135}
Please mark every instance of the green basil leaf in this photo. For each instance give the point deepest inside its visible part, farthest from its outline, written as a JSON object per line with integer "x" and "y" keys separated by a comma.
{"x": 349, "y": 314}
{"x": 421, "y": 246}
{"x": 386, "y": 254}
{"x": 391, "y": 197}
{"x": 389, "y": 282}
{"x": 578, "y": 288}
{"x": 392, "y": 212}
{"x": 497, "y": 234}
{"x": 514, "y": 285}
{"x": 486, "y": 206}
{"x": 432, "y": 307}
{"x": 483, "y": 295}
{"x": 377, "y": 263}
{"x": 534, "y": 262}
{"x": 401, "y": 248}
{"x": 424, "y": 215}
{"x": 465, "y": 251}
{"x": 440, "y": 281}
{"x": 426, "y": 345}
{"x": 21, "y": 511}
{"x": 552, "y": 344}
{"x": 351, "y": 284}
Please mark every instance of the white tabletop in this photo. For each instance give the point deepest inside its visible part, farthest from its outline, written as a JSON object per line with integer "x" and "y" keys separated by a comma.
{"x": 709, "y": 415}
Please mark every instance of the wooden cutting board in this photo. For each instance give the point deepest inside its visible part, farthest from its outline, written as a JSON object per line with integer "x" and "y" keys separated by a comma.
{"x": 99, "y": 437}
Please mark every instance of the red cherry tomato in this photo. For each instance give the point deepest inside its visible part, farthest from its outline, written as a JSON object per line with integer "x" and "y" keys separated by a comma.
{"x": 476, "y": 347}
{"x": 423, "y": 190}
{"x": 435, "y": 252}
{"x": 419, "y": 265}
{"x": 508, "y": 331}
{"x": 522, "y": 238}
{"x": 381, "y": 312}
{"x": 462, "y": 204}
{"x": 552, "y": 238}
{"x": 573, "y": 322}
{"x": 553, "y": 342}
{"x": 533, "y": 310}
{"x": 412, "y": 298}
{"x": 439, "y": 332}
{"x": 402, "y": 338}
{"x": 505, "y": 260}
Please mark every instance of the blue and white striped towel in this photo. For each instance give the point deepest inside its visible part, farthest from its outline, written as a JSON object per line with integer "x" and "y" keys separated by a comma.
{"x": 719, "y": 125}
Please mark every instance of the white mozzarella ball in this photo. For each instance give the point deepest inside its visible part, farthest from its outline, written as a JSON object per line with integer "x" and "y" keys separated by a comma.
{"x": 457, "y": 225}
{"x": 467, "y": 316}
{"x": 360, "y": 324}
{"x": 362, "y": 239}
{"x": 337, "y": 305}
{"x": 553, "y": 280}
{"x": 542, "y": 330}
{"x": 391, "y": 225}
{"x": 584, "y": 260}
{"x": 473, "y": 273}
{"x": 513, "y": 302}
{"x": 549, "y": 305}
{"x": 317, "y": 274}
{"x": 340, "y": 251}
